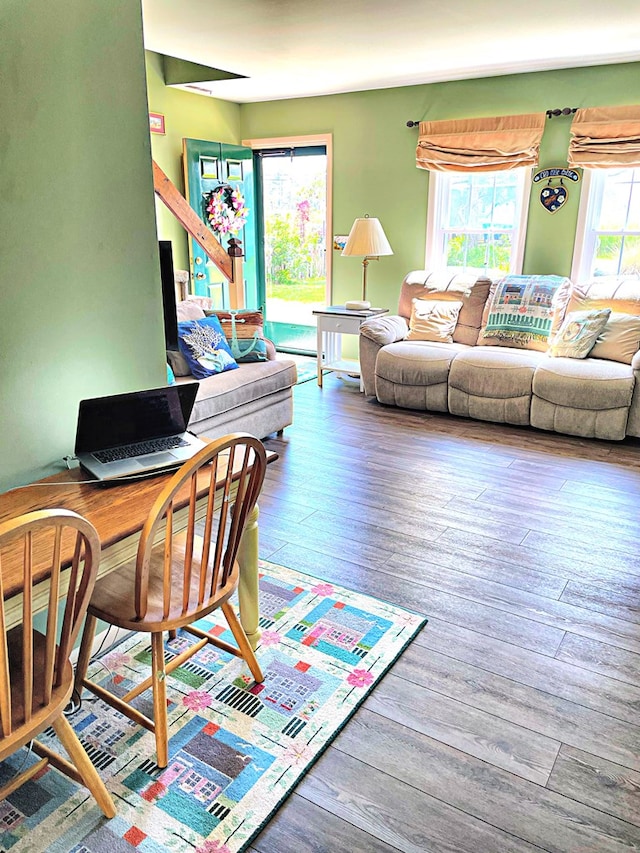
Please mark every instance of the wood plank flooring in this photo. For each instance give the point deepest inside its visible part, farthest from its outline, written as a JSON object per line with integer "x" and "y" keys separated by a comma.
{"x": 512, "y": 723}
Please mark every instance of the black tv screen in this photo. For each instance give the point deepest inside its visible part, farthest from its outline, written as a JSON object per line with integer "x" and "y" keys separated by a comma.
{"x": 168, "y": 294}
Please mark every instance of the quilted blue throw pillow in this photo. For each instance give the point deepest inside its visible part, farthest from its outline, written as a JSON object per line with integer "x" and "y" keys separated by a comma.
{"x": 204, "y": 346}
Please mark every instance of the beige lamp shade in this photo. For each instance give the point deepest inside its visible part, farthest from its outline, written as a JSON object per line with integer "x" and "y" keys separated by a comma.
{"x": 366, "y": 240}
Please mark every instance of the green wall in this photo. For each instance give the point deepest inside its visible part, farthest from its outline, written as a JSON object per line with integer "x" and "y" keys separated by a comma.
{"x": 374, "y": 158}
{"x": 80, "y": 307}
{"x": 186, "y": 115}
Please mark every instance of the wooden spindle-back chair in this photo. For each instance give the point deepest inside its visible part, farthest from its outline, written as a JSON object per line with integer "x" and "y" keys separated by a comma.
{"x": 36, "y": 675}
{"x": 176, "y": 579}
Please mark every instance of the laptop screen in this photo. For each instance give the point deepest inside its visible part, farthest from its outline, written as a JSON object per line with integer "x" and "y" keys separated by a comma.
{"x": 106, "y": 422}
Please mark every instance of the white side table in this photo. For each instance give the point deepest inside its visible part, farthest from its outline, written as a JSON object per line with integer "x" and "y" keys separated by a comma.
{"x": 334, "y": 322}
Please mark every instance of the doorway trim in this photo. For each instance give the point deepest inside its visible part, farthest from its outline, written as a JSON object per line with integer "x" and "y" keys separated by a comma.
{"x": 325, "y": 139}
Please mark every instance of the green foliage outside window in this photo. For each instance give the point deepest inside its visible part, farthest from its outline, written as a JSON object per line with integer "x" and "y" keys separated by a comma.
{"x": 295, "y": 247}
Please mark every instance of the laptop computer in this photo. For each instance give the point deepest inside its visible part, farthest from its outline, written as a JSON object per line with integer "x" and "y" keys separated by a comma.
{"x": 136, "y": 434}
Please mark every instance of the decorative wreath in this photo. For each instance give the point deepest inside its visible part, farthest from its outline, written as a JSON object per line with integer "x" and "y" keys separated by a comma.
{"x": 225, "y": 210}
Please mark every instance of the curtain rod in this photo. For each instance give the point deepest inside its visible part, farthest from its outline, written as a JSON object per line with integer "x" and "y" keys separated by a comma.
{"x": 566, "y": 111}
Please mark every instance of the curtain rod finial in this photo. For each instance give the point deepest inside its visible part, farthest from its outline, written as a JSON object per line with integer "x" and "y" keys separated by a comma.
{"x": 412, "y": 123}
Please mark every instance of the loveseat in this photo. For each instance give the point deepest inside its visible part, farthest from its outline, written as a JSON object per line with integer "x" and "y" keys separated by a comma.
{"x": 470, "y": 368}
{"x": 256, "y": 397}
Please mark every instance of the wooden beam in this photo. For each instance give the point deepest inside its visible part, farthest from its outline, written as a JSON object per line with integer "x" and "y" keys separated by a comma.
{"x": 190, "y": 220}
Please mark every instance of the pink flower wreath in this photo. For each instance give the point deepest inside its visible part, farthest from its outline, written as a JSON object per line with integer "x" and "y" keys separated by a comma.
{"x": 225, "y": 210}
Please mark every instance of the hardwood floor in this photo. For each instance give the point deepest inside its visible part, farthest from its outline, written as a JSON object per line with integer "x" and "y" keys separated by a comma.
{"x": 512, "y": 723}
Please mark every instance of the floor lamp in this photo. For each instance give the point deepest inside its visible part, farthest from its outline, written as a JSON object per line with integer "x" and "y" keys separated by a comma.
{"x": 368, "y": 241}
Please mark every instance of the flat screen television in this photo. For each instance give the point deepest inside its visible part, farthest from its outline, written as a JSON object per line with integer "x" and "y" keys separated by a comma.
{"x": 168, "y": 294}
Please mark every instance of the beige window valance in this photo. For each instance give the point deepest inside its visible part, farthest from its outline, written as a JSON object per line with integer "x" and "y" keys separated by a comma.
{"x": 480, "y": 144}
{"x": 605, "y": 137}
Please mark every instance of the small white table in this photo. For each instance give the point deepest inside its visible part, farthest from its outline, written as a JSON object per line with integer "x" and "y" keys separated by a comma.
{"x": 334, "y": 322}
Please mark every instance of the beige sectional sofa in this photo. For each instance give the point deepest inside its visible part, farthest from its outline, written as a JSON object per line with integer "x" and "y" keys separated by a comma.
{"x": 256, "y": 398}
{"x": 596, "y": 397}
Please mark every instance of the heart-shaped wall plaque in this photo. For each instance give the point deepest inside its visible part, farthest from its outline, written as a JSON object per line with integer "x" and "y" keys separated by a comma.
{"x": 553, "y": 198}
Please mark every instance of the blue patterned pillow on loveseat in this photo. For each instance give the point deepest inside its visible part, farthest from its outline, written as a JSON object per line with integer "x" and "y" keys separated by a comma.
{"x": 204, "y": 346}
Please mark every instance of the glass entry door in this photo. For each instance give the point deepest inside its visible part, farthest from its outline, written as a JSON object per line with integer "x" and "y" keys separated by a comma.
{"x": 291, "y": 185}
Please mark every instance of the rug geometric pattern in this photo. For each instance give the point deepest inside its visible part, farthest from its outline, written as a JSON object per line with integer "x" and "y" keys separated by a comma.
{"x": 236, "y": 748}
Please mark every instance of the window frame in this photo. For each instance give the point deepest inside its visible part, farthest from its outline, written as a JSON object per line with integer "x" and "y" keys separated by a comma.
{"x": 593, "y": 183}
{"x": 433, "y": 253}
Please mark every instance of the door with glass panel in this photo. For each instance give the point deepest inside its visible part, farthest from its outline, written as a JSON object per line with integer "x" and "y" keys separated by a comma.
{"x": 291, "y": 187}
{"x": 219, "y": 186}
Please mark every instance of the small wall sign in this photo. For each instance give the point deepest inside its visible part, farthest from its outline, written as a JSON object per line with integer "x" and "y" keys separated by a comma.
{"x": 156, "y": 123}
{"x": 552, "y": 198}
{"x": 545, "y": 174}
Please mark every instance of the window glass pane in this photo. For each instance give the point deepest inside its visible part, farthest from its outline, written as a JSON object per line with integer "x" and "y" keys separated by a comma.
{"x": 630, "y": 256}
{"x": 606, "y": 255}
{"x": 506, "y": 200}
{"x": 482, "y": 195}
{"x": 633, "y": 222}
{"x": 477, "y": 252}
{"x": 615, "y": 201}
{"x": 459, "y": 193}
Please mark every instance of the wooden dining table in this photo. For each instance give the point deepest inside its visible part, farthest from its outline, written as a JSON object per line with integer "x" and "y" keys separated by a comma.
{"x": 118, "y": 512}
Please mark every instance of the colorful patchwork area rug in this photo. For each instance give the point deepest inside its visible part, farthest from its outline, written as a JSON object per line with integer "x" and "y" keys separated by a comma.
{"x": 236, "y": 748}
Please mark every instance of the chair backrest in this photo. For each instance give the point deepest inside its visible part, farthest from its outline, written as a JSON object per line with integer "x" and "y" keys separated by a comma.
{"x": 36, "y": 543}
{"x": 234, "y": 463}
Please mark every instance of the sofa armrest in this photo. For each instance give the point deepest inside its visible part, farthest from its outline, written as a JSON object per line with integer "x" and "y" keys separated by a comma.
{"x": 272, "y": 355}
{"x": 635, "y": 362}
{"x": 385, "y": 330}
{"x": 374, "y": 334}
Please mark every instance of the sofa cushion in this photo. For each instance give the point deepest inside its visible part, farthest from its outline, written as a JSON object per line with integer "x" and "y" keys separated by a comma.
{"x": 433, "y": 320}
{"x": 496, "y": 372}
{"x": 578, "y": 333}
{"x": 524, "y": 311}
{"x": 471, "y": 290}
{"x": 189, "y": 309}
{"x": 226, "y": 391}
{"x": 413, "y": 374}
{"x": 416, "y": 362}
{"x": 620, "y": 338}
{"x": 621, "y": 293}
{"x": 592, "y": 384}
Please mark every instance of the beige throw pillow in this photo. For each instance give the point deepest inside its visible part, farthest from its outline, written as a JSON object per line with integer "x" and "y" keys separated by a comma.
{"x": 433, "y": 320}
{"x": 620, "y": 339}
{"x": 578, "y": 333}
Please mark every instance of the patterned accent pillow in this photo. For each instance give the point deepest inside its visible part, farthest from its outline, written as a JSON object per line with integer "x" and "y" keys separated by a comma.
{"x": 244, "y": 333}
{"x": 433, "y": 320}
{"x": 205, "y": 348}
{"x": 578, "y": 333}
{"x": 524, "y": 311}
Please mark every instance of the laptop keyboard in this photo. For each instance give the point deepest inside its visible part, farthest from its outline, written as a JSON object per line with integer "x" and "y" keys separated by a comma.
{"x": 128, "y": 451}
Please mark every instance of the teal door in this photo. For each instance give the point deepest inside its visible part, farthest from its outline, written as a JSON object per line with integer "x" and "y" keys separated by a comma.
{"x": 219, "y": 187}
{"x": 291, "y": 186}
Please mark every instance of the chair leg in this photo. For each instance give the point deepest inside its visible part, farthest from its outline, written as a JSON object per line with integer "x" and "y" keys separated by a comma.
{"x": 243, "y": 643}
{"x": 160, "y": 699}
{"x": 83, "y": 764}
{"x": 84, "y": 655}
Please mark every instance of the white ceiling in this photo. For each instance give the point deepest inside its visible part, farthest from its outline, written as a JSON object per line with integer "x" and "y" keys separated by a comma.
{"x": 298, "y": 48}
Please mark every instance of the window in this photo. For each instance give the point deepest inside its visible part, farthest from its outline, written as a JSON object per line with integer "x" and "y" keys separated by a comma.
{"x": 476, "y": 221}
{"x": 608, "y": 233}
